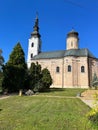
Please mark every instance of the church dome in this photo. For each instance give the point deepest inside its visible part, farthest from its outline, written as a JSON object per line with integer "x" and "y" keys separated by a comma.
{"x": 72, "y": 40}
{"x": 72, "y": 33}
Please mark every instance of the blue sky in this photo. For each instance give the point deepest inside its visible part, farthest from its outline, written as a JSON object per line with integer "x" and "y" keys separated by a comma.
{"x": 56, "y": 19}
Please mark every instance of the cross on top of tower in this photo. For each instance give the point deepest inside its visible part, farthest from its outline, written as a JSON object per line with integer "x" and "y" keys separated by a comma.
{"x": 36, "y": 15}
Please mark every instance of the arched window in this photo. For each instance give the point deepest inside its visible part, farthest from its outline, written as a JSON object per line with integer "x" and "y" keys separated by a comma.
{"x": 82, "y": 69}
{"x": 57, "y": 69}
{"x": 32, "y": 55}
{"x": 69, "y": 68}
{"x": 32, "y": 45}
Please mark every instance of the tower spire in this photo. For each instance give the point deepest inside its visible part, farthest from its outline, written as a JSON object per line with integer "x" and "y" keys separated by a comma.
{"x": 36, "y": 27}
{"x": 34, "y": 46}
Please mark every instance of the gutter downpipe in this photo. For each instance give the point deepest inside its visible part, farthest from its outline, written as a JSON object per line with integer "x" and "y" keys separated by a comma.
{"x": 88, "y": 72}
{"x": 63, "y": 73}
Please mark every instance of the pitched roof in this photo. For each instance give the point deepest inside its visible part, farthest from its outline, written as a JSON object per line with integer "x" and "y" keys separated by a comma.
{"x": 64, "y": 53}
{"x": 50, "y": 55}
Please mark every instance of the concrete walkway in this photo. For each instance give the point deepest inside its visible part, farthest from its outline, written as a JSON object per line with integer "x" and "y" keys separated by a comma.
{"x": 90, "y": 102}
{"x": 89, "y": 98}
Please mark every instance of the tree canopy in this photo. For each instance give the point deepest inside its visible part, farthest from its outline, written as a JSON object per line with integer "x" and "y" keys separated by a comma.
{"x": 15, "y": 70}
{"x": 17, "y": 76}
{"x": 1, "y": 72}
{"x": 1, "y": 60}
{"x": 46, "y": 78}
{"x": 39, "y": 79}
{"x": 17, "y": 57}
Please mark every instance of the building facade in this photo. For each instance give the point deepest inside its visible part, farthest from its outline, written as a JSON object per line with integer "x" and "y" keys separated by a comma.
{"x": 70, "y": 68}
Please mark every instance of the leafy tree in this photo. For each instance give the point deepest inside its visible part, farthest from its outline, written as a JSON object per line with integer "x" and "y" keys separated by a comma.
{"x": 34, "y": 74}
{"x": 46, "y": 78}
{"x": 39, "y": 79}
{"x": 15, "y": 70}
{"x": 1, "y": 78}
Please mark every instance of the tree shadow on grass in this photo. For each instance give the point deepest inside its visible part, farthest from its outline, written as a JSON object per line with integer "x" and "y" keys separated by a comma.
{"x": 0, "y": 109}
{"x": 52, "y": 90}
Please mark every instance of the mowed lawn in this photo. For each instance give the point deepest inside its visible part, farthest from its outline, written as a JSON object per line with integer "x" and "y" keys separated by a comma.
{"x": 44, "y": 113}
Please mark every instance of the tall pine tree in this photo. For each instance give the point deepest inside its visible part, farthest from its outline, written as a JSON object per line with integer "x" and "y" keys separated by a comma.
{"x": 1, "y": 65}
{"x": 17, "y": 57}
{"x": 1, "y": 60}
{"x": 15, "y": 70}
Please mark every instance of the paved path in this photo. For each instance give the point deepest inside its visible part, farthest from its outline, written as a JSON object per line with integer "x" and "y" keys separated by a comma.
{"x": 89, "y": 102}
{"x": 4, "y": 97}
{"x": 89, "y": 97}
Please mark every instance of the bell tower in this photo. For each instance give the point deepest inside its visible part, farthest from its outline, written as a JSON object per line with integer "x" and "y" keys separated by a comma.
{"x": 34, "y": 45}
{"x": 72, "y": 41}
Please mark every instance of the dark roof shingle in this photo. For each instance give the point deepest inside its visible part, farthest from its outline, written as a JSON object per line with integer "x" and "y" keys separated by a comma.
{"x": 64, "y": 53}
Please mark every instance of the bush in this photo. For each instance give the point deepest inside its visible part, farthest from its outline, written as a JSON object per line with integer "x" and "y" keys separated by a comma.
{"x": 93, "y": 116}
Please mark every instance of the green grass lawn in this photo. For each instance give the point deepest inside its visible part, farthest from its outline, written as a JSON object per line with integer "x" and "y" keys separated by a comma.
{"x": 44, "y": 113}
{"x": 63, "y": 92}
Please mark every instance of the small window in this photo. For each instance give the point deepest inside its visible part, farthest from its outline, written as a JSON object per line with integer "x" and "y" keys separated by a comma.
{"x": 82, "y": 69}
{"x": 57, "y": 69}
{"x": 69, "y": 68}
{"x": 32, "y": 55}
{"x": 32, "y": 45}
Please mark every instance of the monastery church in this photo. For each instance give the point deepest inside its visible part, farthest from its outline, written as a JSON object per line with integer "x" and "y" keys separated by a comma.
{"x": 70, "y": 68}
